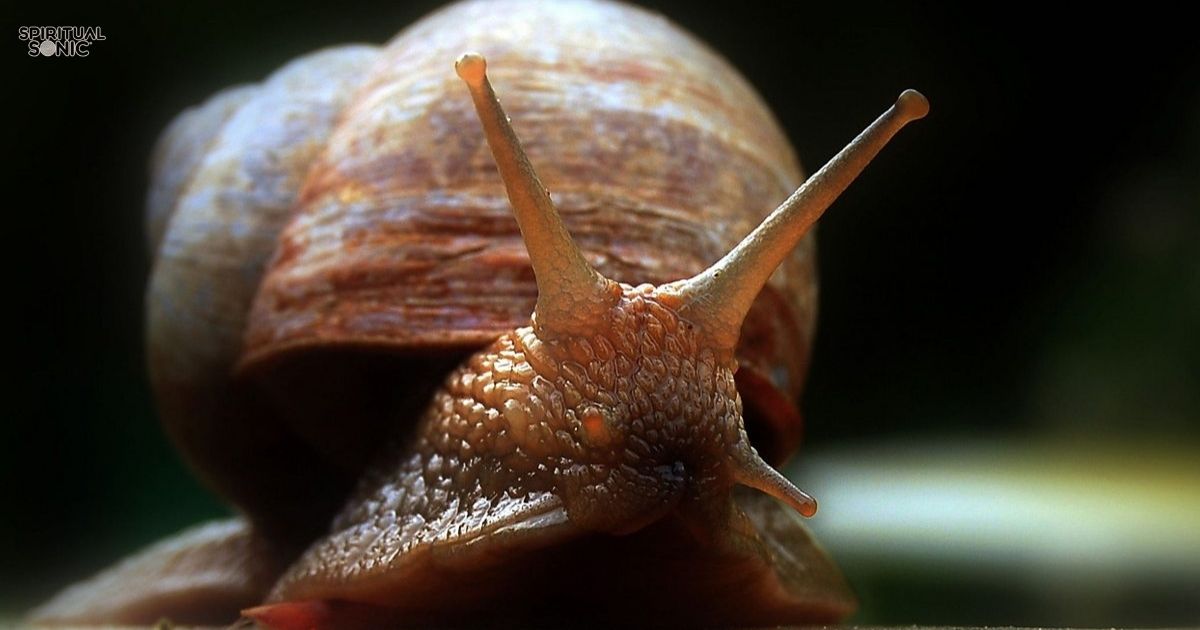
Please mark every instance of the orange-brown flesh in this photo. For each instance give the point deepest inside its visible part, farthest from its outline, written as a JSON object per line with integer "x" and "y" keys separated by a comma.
{"x": 534, "y": 445}
{"x": 660, "y": 576}
{"x": 603, "y": 419}
{"x": 303, "y": 615}
{"x": 570, "y": 291}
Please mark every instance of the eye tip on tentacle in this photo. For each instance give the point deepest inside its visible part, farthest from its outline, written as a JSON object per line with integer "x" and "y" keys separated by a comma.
{"x": 471, "y": 67}
{"x": 912, "y": 105}
{"x": 751, "y": 471}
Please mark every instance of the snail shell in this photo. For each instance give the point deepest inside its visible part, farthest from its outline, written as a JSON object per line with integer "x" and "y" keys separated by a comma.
{"x": 360, "y": 175}
{"x": 225, "y": 178}
{"x": 395, "y": 254}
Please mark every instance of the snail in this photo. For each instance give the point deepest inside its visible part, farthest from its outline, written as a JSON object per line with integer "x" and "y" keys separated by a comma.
{"x": 426, "y": 413}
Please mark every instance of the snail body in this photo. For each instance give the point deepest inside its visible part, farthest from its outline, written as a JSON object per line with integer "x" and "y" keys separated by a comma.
{"x": 338, "y": 244}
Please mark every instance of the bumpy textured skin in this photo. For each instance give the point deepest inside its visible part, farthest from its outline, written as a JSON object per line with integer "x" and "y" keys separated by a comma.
{"x": 538, "y": 441}
{"x": 358, "y": 181}
{"x": 659, "y": 156}
{"x": 202, "y": 575}
{"x": 766, "y": 572}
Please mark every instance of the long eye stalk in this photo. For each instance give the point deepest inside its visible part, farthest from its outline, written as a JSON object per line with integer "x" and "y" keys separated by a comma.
{"x": 570, "y": 292}
{"x": 718, "y": 298}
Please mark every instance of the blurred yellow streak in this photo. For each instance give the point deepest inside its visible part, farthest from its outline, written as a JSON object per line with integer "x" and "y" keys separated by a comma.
{"x": 1100, "y": 511}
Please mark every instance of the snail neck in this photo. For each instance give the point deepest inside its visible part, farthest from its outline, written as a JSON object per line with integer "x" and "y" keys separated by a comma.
{"x": 621, "y": 425}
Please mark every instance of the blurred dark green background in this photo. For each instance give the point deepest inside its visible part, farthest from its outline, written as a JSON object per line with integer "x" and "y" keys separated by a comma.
{"x": 1019, "y": 273}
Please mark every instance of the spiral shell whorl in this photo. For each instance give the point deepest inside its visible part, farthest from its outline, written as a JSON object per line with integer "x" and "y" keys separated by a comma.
{"x": 246, "y": 153}
{"x": 659, "y": 156}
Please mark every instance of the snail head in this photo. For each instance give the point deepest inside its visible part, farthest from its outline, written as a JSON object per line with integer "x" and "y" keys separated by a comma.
{"x": 629, "y": 391}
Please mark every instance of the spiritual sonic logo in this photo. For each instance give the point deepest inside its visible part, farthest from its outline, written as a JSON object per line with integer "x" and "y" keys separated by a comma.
{"x": 60, "y": 41}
